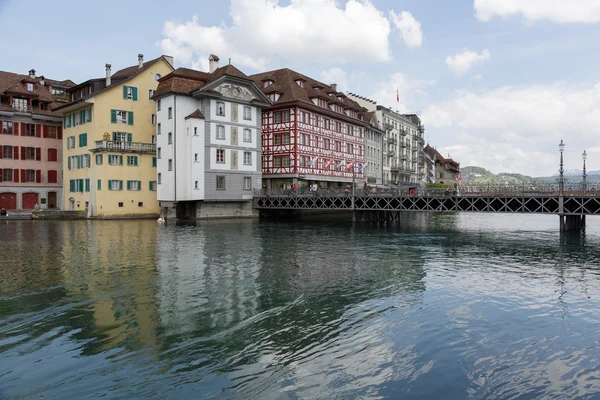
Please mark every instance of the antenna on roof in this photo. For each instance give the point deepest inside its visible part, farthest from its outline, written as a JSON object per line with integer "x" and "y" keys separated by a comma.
{"x": 229, "y": 60}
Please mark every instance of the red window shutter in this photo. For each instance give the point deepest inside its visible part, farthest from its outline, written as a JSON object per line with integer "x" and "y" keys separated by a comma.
{"x": 60, "y": 132}
{"x": 38, "y": 176}
{"x": 38, "y": 130}
{"x": 1, "y": 151}
{"x": 16, "y": 175}
{"x": 23, "y": 154}
{"x": 45, "y": 131}
{"x": 16, "y": 152}
{"x": 38, "y": 154}
{"x": 0, "y": 174}
{"x": 23, "y": 176}
{"x": 23, "y": 129}
{"x": 16, "y": 129}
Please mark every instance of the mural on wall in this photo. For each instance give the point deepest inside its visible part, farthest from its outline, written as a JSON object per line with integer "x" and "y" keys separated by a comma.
{"x": 235, "y": 92}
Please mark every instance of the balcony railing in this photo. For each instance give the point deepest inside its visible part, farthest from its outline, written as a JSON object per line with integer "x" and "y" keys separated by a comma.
{"x": 125, "y": 147}
{"x": 404, "y": 156}
{"x": 394, "y": 168}
{"x": 403, "y": 132}
{"x": 403, "y": 144}
{"x": 392, "y": 140}
{"x": 22, "y": 108}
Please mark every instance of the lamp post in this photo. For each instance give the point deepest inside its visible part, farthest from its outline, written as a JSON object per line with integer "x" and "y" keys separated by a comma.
{"x": 584, "y": 156}
{"x": 561, "y": 180}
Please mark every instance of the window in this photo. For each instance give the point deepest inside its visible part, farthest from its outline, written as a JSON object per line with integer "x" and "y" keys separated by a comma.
{"x": 285, "y": 116}
{"x": 7, "y": 152}
{"x": 158, "y": 153}
{"x": 220, "y": 182}
{"x": 195, "y": 131}
{"x": 7, "y": 175}
{"x": 247, "y": 183}
{"x": 338, "y": 126}
{"x": 267, "y": 83}
{"x": 114, "y": 184}
{"x": 99, "y": 184}
{"x": 326, "y": 144}
{"x": 20, "y": 104}
{"x": 159, "y": 178}
{"x": 349, "y": 148}
{"x": 7, "y": 127}
{"x": 153, "y": 161}
{"x": 152, "y": 186}
{"x": 247, "y": 158}
{"x": 83, "y": 140}
{"x": 153, "y": 139}
{"x": 274, "y": 97}
{"x": 277, "y": 161}
{"x": 170, "y": 113}
{"x": 133, "y": 185}
{"x": 195, "y": 184}
{"x": 158, "y": 105}
{"x": 114, "y": 159}
{"x": 157, "y": 77}
{"x": 247, "y": 113}
{"x": 220, "y": 132}
{"x": 276, "y": 139}
{"x": 29, "y": 153}
{"x": 30, "y": 86}
{"x": 132, "y": 161}
{"x": 30, "y": 130}
{"x": 30, "y": 175}
{"x": 170, "y": 165}
{"x": 247, "y": 136}
{"x": 220, "y": 108}
{"x": 52, "y": 132}
{"x": 52, "y": 155}
{"x": 121, "y": 137}
{"x": 121, "y": 117}
{"x": 52, "y": 176}
{"x": 150, "y": 93}
{"x": 70, "y": 142}
{"x": 140, "y": 204}
{"x": 170, "y": 136}
{"x": 130, "y": 93}
{"x": 153, "y": 119}
{"x": 300, "y": 83}
{"x": 220, "y": 156}
{"x": 196, "y": 157}
{"x": 285, "y": 161}
{"x": 158, "y": 130}
{"x": 327, "y": 123}
{"x": 338, "y": 145}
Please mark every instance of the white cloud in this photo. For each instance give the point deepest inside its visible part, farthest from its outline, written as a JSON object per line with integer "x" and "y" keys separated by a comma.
{"x": 409, "y": 27}
{"x": 561, "y": 11}
{"x": 517, "y": 129}
{"x": 337, "y": 76}
{"x": 264, "y": 29}
{"x": 408, "y": 90}
{"x": 463, "y": 61}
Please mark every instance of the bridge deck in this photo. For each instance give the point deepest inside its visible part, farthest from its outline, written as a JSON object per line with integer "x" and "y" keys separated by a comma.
{"x": 537, "y": 203}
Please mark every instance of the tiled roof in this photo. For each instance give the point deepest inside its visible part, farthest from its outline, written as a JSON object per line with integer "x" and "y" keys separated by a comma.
{"x": 196, "y": 114}
{"x": 439, "y": 157}
{"x": 133, "y": 70}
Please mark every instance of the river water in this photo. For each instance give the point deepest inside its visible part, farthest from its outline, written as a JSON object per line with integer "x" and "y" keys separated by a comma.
{"x": 455, "y": 306}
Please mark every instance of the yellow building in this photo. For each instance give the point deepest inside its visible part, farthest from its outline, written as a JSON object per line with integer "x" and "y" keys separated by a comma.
{"x": 109, "y": 151}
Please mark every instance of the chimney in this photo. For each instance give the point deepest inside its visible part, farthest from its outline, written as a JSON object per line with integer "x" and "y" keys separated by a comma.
{"x": 108, "y": 74}
{"x": 42, "y": 80}
{"x": 213, "y": 63}
{"x": 140, "y": 61}
{"x": 334, "y": 87}
{"x": 32, "y": 73}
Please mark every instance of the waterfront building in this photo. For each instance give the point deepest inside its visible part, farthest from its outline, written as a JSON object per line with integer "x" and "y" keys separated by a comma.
{"x": 109, "y": 128}
{"x": 312, "y": 134}
{"x": 446, "y": 169}
{"x": 373, "y": 149}
{"x": 208, "y": 142}
{"x": 429, "y": 176}
{"x": 30, "y": 140}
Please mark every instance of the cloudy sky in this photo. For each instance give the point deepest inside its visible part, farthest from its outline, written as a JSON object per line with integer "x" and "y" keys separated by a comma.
{"x": 498, "y": 83}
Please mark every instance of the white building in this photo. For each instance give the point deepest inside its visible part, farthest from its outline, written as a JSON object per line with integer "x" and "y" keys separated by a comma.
{"x": 208, "y": 142}
{"x": 373, "y": 150}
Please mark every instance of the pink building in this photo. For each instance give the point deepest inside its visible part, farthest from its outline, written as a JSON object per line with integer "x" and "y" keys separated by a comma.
{"x": 30, "y": 141}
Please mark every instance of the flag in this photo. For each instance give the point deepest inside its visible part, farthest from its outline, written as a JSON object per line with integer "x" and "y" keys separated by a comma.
{"x": 309, "y": 164}
{"x": 361, "y": 169}
{"x": 312, "y": 162}
{"x": 340, "y": 164}
{"x": 328, "y": 163}
{"x": 350, "y": 166}
{"x": 459, "y": 177}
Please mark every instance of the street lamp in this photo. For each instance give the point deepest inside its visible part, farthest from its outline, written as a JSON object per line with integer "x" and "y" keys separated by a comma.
{"x": 584, "y": 156}
{"x": 561, "y": 182}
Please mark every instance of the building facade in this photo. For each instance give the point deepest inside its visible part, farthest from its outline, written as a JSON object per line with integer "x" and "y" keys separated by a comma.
{"x": 30, "y": 141}
{"x": 373, "y": 150}
{"x": 208, "y": 142}
{"x": 446, "y": 170}
{"x": 312, "y": 134}
{"x": 109, "y": 160}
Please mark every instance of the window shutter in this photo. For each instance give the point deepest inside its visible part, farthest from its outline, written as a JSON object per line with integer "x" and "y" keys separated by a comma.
{"x": 15, "y": 153}
{"x": 120, "y": 160}
{"x": 139, "y": 185}
{"x": 134, "y": 89}
{"x": 130, "y": 117}
{"x": 72, "y": 185}
{"x": 154, "y": 161}
{"x": 23, "y": 153}
{"x": 135, "y": 161}
{"x": 23, "y": 129}
{"x": 1, "y": 175}
{"x": 99, "y": 184}
{"x": 45, "y": 131}
{"x": 38, "y": 176}
{"x": 70, "y": 120}
{"x": 69, "y": 162}
{"x": 109, "y": 184}
{"x": 1, "y": 151}
{"x": 87, "y": 156}
{"x": 38, "y": 130}
{"x": 125, "y": 92}
{"x": 129, "y": 137}
{"x": 120, "y": 185}
{"x": 38, "y": 154}
{"x": 15, "y": 175}
{"x": 87, "y": 184}
{"x": 89, "y": 112}
{"x": 78, "y": 162}
{"x": 128, "y": 159}
{"x": 113, "y": 116}
{"x": 64, "y": 121}
{"x": 16, "y": 129}
{"x": 59, "y": 129}
{"x": 128, "y": 185}
{"x": 114, "y": 136}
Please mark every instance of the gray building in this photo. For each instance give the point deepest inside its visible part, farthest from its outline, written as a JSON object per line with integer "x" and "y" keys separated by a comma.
{"x": 373, "y": 150}
{"x": 208, "y": 142}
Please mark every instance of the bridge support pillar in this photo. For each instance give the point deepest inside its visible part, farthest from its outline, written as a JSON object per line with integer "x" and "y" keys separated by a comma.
{"x": 572, "y": 223}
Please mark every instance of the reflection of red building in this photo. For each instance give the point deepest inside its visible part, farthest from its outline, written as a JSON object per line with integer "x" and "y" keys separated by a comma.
{"x": 312, "y": 132}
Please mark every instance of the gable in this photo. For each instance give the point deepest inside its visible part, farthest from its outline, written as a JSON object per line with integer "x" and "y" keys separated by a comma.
{"x": 236, "y": 92}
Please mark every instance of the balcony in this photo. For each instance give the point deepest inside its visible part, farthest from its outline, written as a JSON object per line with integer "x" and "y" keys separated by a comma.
{"x": 404, "y": 156}
{"x": 395, "y": 168}
{"x": 125, "y": 147}
{"x": 403, "y": 132}
{"x": 403, "y": 144}
{"x": 392, "y": 140}
{"x": 22, "y": 108}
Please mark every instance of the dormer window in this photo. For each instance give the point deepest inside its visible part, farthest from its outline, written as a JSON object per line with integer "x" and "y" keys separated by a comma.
{"x": 29, "y": 86}
{"x": 300, "y": 83}
{"x": 274, "y": 97}
{"x": 267, "y": 83}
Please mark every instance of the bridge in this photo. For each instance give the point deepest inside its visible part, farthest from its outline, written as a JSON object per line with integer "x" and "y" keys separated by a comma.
{"x": 571, "y": 203}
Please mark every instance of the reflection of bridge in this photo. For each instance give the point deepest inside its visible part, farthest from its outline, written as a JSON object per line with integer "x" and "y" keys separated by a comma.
{"x": 571, "y": 204}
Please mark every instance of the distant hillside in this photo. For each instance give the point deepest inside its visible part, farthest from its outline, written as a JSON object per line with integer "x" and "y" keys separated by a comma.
{"x": 478, "y": 176}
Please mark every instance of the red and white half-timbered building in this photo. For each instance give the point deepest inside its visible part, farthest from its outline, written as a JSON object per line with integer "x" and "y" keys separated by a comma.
{"x": 311, "y": 134}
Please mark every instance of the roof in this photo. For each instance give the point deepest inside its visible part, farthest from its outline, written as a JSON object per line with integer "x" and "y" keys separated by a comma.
{"x": 13, "y": 84}
{"x": 196, "y": 114}
{"x": 448, "y": 162}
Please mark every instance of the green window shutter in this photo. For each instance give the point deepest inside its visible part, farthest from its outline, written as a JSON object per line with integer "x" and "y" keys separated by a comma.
{"x": 89, "y": 114}
{"x": 114, "y": 136}
{"x": 113, "y": 116}
{"x": 64, "y": 122}
{"x": 149, "y": 185}
{"x": 109, "y": 159}
{"x": 120, "y": 160}
{"x": 81, "y": 140}
{"x": 135, "y": 161}
{"x": 110, "y": 185}
{"x": 72, "y": 185}
{"x": 87, "y": 156}
{"x": 134, "y": 89}
{"x": 139, "y": 185}
{"x": 128, "y": 159}
{"x": 84, "y": 139}
{"x": 129, "y": 137}
{"x": 87, "y": 184}
{"x": 69, "y": 162}
{"x": 128, "y": 185}
{"x": 120, "y": 185}
{"x": 80, "y": 183}
{"x": 100, "y": 184}
{"x": 130, "y": 117}
{"x": 71, "y": 120}
{"x": 81, "y": 117}
{"x": 125, "y": 92}
{"x": 154, "y": 161}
